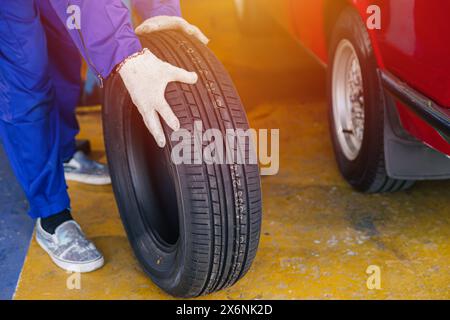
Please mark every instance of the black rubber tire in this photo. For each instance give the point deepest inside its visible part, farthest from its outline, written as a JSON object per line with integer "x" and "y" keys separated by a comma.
{"x": 194, "y": 228}
{"x": 367, "y": 173}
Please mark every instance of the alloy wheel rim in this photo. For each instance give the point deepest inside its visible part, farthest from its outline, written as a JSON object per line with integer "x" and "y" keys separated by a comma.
{"x": 348, "y": 100}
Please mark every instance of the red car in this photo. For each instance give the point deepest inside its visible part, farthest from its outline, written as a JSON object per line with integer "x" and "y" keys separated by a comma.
{"x": 388, "y": 66}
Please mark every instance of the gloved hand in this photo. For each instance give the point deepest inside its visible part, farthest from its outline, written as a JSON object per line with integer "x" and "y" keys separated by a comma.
{"x": 146, "y": 78}
{"x": 161, "y": 23}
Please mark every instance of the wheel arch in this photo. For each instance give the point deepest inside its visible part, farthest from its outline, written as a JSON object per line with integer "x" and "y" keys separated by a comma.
{"x": 332, "y": 10}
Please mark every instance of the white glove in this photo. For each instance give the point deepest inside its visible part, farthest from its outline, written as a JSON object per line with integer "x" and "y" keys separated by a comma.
{"x": 160, "y": 23}
{"x": 146, "y": 78}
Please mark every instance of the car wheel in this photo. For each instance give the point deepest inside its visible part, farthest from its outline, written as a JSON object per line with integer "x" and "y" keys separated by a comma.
{"x": 356, "y": 108}
{"x": 193, "y": 227}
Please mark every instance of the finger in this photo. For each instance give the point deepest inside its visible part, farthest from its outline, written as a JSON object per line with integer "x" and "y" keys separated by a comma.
{"x": 146, "y": 27}
{"x": 182, "y": 75}
{"x": 154, "y": 126}
{"x": 196, "y": 32}
{"x": 169, "y": 117}
{"x": 158, "y": 24}
{"x": 171, "y": 23}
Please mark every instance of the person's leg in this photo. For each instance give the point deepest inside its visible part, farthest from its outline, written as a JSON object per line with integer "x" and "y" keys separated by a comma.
{"x": 64, "y": 71}
{"x": 30, "y": 131}
{"x": 91, "y": 93}
{"x": 64, "y": 68}
{"x": 29, "y": 121}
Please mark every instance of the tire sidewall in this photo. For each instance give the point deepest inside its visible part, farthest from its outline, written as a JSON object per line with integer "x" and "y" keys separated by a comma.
{"x": 115, "y": 139}
{"x": 217, "y": 240}
{"x": 360, "y": 171}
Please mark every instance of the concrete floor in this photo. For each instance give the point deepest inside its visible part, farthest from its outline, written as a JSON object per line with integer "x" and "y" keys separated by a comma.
{"x": 318, "y": 236}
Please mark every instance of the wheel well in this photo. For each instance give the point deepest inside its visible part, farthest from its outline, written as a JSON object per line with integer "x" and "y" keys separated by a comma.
{"x": 332, "y": 10}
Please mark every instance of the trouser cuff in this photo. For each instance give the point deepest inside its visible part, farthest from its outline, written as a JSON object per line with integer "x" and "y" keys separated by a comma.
{"x": 57, "y": 204}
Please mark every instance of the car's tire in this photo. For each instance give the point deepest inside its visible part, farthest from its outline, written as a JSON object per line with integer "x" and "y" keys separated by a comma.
{"x": 356, "y": 108}
{"x": 193, "y": 227}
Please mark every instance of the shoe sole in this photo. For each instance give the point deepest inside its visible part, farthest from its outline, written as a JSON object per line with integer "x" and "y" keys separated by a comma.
{"x": 87, "y": 179}
{"x": 74, "y": 267}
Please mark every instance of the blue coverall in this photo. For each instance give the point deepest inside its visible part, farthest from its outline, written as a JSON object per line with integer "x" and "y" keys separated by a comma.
{"x": 40, "y": 84}
{"x": 145, "y": 9}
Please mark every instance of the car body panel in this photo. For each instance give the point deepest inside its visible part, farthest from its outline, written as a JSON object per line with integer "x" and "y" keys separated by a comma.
{"x": 412, "y": 45}
{"x": 409, "y": 45}
{"x": 309, "y": 28}
{"x": 419, "y": 128}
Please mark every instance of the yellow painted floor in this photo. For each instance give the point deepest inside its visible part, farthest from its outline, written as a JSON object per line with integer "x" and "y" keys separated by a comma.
{"x": 318, "y": 237}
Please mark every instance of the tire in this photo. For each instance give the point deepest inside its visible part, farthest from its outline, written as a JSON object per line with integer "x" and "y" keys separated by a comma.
{"x": 193, "y": 227}
{"x": 357, "y": 128}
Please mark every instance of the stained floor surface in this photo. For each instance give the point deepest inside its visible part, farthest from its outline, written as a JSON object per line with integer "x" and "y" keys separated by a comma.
{"x": 318, "y": 235}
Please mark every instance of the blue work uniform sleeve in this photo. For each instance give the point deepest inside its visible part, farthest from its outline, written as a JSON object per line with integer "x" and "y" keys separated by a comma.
{"x": 101, "y": 29}
{"x": 152, "y": 8}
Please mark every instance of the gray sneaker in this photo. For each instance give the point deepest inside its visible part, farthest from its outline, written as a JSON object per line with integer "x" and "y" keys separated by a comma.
{"x": 82, "y": 169}
{"x": 68, "y": 247}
